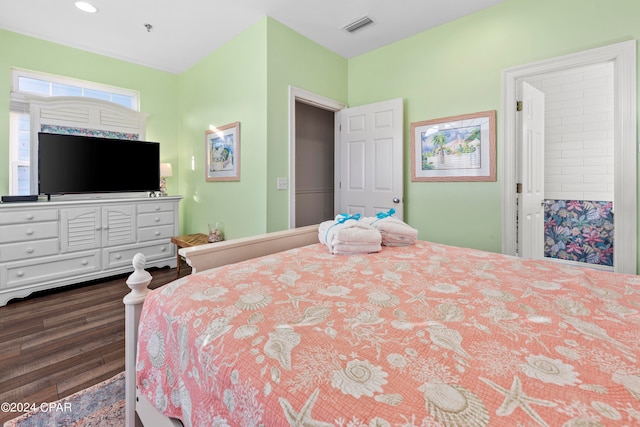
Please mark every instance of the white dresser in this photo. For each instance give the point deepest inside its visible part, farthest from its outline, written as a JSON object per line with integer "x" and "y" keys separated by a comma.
{"x": 44, "y": 245}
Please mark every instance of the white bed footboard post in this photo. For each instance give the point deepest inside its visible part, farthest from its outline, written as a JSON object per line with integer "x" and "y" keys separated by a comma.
{"x": 138, "y": 282}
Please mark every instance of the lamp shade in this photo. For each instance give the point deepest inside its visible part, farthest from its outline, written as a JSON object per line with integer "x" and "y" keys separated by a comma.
{"x": 165, "y": 169}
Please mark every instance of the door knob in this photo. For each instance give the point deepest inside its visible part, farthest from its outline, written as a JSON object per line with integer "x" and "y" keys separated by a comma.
{"x": 396, "y": 200}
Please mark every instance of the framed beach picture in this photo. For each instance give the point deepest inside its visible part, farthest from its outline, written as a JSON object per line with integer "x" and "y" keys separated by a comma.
{"x": 223, "y": 153}
{"x": 458, "y": 148}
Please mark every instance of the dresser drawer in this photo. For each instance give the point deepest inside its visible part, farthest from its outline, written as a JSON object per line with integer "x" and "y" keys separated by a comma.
{"x": 36, "y": 215}
{"x": 28, "y": 232}
{"x": 158, "y": 218}
{"x": 155, "y": 233}
{"x": 121, "y": 257}
{"x": 155, "y": 207}
{"x": 28, "y": 250}
{"x": 50, "y": 268}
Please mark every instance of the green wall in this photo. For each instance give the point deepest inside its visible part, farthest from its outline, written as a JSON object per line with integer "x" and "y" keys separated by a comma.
{"x": 158, "y": 90}
{"x": 296, "y": 61}
{"x": 227, "y": 86}
{"x": 457, "y": 68}
{"x": 247, "y": 80}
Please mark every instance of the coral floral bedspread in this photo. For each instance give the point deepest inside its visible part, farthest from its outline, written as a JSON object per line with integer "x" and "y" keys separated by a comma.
{"x": 427, "y": 335}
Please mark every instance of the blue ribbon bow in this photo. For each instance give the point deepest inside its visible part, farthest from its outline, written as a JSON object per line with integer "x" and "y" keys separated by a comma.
{"x": 381, "y": 215}
{"x": 341, "y": 219}
{"x": 347, "y": 217}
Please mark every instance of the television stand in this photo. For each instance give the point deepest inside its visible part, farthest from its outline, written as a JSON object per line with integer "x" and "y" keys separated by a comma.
{"x": 57, "y": 243}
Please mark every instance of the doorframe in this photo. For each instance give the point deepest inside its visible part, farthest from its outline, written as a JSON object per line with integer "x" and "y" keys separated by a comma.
{"x": 623, "y": 56}
{"x": 302, "y": 95}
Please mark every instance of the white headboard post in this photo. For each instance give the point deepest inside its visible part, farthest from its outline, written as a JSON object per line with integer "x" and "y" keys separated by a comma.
{"x": 138, "y": 282}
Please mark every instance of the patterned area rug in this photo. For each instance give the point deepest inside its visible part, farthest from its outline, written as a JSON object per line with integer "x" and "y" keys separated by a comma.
{"x": 100, "y": 405}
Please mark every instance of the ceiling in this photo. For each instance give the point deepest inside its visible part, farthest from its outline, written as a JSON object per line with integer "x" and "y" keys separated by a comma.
{"x": 185, "y": 31}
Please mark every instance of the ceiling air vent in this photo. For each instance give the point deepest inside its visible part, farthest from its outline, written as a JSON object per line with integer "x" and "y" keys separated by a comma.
{"x": 358, "y": 24}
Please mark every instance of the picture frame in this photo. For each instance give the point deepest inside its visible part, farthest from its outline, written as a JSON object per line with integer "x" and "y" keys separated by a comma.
{"x": 457, "y": 148}
{"x": 223, "y": 153}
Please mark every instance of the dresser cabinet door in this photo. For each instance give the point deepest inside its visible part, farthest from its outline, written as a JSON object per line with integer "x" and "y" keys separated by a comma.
{"x": 81, "y": 229}
{"x": 119, "y": 225}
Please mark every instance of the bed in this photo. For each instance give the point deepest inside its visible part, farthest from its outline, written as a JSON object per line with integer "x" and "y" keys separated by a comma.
{"x": 425, "y": 335}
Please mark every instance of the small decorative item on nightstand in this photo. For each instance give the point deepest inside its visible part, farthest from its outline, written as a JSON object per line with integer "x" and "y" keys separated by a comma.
{"x": 216, "y": 232}
{"x": 165, "y": 171}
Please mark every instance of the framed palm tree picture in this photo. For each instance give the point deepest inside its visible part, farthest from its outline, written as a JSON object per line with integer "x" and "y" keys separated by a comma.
{"x": 457, "y": 148}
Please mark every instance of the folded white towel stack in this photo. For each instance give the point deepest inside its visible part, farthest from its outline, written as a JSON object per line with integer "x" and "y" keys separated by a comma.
{"x": 347, "y": 235}
{"x": 394, "y": 231}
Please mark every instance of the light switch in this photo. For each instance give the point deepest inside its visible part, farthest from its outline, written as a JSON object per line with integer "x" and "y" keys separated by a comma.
{"x": 282, "y": 183}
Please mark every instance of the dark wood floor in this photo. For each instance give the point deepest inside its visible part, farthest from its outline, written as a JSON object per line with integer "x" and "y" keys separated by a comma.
{"x": 60, "y": 342}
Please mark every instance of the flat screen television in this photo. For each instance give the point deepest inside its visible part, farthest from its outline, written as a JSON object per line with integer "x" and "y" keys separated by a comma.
{"x": 71, "y": 164}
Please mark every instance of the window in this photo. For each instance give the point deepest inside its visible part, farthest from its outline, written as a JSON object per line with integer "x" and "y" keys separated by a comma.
{"x": 47, "y": 85}
{"x": 50, "y": 85}
{"x": 19, "y": 147}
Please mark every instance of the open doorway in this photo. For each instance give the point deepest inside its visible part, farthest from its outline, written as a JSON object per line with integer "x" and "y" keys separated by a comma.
{"x": 314, "y": 161}
{"x": 368, "y": 157}
{"x": 622, "y": 57}
{"x": 578, "y": 173}
{"x": 313, "y": 133}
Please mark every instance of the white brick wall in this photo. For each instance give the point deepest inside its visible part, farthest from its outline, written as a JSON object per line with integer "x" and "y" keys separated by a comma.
{"x": 578, "y": 132}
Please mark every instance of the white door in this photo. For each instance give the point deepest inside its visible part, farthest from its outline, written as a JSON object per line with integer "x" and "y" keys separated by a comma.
{"x": 531, "y": 206}
{"x": 371, "y": 159}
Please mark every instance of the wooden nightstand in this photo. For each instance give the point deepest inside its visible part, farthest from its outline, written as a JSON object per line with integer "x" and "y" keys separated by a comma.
{"x": 188, "y": 241}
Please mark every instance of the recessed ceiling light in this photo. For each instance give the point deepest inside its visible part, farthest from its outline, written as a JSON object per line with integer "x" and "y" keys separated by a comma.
{"x": 86, "y": 7}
